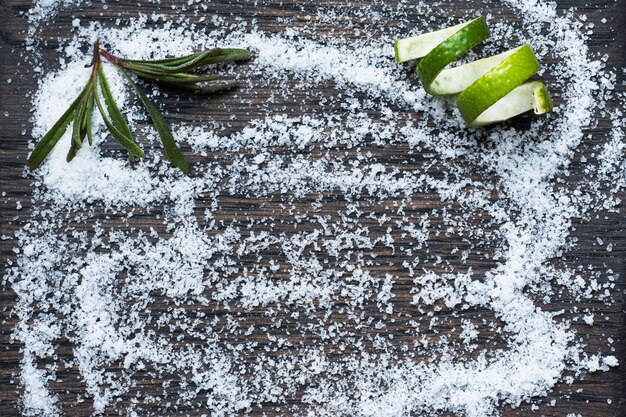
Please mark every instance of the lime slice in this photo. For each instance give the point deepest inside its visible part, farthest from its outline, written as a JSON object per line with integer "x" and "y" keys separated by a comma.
{"x": 448, "y": 51}
{"x": 497, "y": 83}
{"x": 526, "y": 97}
{"x": 419, "y": 46}
{"x": 489, "y": 89}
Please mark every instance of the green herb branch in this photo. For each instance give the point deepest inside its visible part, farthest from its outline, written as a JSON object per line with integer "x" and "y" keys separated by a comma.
{"x": 174, "y": 72}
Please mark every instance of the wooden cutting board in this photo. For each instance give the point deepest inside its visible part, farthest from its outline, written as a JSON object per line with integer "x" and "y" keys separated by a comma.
{"x": 588, "y": 396}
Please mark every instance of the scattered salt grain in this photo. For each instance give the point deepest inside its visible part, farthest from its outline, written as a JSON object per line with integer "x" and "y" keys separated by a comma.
{"x": 611, "y": 361}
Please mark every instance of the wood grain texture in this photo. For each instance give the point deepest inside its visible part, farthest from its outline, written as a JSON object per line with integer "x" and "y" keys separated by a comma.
{"x": 587, "y": 396}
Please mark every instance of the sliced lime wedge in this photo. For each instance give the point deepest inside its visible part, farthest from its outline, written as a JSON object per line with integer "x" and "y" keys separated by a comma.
{"x": 454, "y": 80}
{"x": 497, "y": 83}
{"x": 419, "y": 46}
{"x": 445, "y": 53}
{"x": 490, "y": 89}
{"x": 526, "y": 97}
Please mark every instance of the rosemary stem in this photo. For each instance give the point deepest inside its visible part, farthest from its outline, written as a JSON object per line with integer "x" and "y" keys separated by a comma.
{"x": 95, "y": 60}
{"x": 119, "y": 62}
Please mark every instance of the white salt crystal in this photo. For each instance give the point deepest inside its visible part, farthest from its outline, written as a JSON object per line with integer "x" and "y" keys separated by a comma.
{"x": 611, "y": 361}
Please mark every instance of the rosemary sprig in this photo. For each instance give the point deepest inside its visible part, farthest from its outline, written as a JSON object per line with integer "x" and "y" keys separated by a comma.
{"x": 174, "y": 72}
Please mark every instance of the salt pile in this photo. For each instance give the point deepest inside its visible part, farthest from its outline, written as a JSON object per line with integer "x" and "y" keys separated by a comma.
{"x": 363, "y": 223}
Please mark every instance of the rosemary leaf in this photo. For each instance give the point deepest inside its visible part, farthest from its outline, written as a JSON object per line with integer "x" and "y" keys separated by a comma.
{"x": 177, "y": 78}
{"x": 181, "y": 65}
{"x": 168, "y": 61}
{"x": 50, "y": 139}
{"x": 77, "y": 143}
{"x": 167, "y": 139}
{"x": 219, "y": 55}
{"x": 124, "y": 140}
{"x": 79, "y": 126}
{"x": 89, "y": 116}
{"x": 207, "y": 88}
{"x": 82, "y": 121}
{"x": 86, "y": 116}
{"x": 74, "y": 148}
{"x": 78, "y": 121}
{"x": 146, "y": 68}
{"x": 181, "y": 78}
{"x": 117, "y": 118}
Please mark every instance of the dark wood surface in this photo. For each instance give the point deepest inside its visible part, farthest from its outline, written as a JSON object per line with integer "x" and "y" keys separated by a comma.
{"x": 587, "y": 396}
